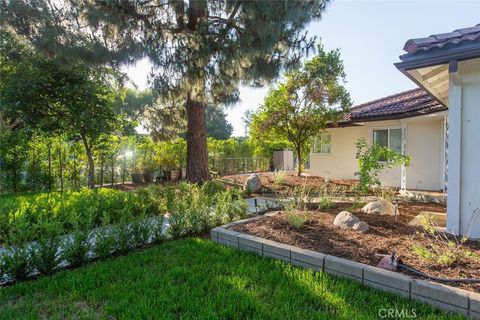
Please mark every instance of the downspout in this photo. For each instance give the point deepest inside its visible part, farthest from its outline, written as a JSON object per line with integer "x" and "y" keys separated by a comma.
{"x": 454, "y": 212}
{"x": 445, "y": 154}
{"x": 403, "y": 182}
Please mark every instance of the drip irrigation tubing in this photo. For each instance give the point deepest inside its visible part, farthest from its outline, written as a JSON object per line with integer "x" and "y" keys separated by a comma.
{"x": 423, "y": 274}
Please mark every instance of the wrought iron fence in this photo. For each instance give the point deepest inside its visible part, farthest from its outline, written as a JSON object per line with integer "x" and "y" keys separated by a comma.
{"x": 225, "y": 166}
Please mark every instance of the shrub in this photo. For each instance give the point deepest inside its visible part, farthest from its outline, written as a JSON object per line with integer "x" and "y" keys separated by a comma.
{"x": 17, "y": 263}
{"x": 44, "y": 255}
{"x": 388, "y": 194}
{"x": 440, "y": 248}
{"x": 326, "y": 203}
{"x": 156, "y": 230}
{"x": 280, "y": 178}
{"x": 296, "y": 217}
{"x": 28, "y": 217}
{"x": 124, "y": 220}
{"x": 123, "y": 237}
{"x": 229, "y": 206}
{"x": 372, "y": 159}
{"x": 178, "y": 224}
{"x": 211, "y": 188}
{"x": 150, "y": 200}
{"x": 105, "y": 243}
{"x": 194, "y": 212}
{"x": 76, "y": 248}
{"x": 140, "y": 232}
{"x": 190, "y": 211}
{"x": 357, "y": 204}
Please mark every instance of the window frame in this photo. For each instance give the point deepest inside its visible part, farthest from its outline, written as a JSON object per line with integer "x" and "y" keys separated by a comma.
{"x": 315, "y": 145}
{"x": 388, "y": 128}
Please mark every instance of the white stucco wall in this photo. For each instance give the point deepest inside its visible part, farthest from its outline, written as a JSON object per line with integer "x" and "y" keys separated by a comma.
{"x": 341, "y": 162}
{"x": 424, "y": 146}
{"x": 469, "y": 183}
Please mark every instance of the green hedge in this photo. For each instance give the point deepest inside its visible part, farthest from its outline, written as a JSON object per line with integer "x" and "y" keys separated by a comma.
{"x": 28, "y": 217}
{"x": 103, "y": 222}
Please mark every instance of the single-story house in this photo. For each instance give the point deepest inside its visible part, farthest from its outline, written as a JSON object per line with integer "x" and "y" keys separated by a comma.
{"x": 437, "y": 125}
{"x": 411, "y": 122}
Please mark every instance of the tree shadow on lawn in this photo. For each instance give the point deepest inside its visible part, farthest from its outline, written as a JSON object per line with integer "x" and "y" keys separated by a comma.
{"x": 197, "y": 279}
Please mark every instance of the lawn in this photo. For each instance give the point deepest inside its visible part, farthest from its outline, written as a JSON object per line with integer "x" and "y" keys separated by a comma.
{"x": 197, "y": 279}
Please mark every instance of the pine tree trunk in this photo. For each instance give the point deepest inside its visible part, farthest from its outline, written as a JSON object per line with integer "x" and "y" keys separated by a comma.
{"x": 91, "y": 164}
{"x": 197, "y": 152}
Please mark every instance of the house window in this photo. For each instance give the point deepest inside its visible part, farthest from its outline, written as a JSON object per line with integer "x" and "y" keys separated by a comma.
{"x": 390, "y": 138}
{"x": 323, "y": 144}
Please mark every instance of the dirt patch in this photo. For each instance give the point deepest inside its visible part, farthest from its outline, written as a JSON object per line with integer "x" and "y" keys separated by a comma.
{"x": 284, "y": 182}
{"x": 384, "y": 236}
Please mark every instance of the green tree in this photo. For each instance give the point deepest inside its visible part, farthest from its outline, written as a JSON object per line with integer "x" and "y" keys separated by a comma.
{"x": 76, "y": 100}
{"x": 201, "y": 50}
{"x": 12, "y": 54}
{"x": 165, "y": 120}
{"x": 217, "y": 125}
{"x": 133, "y": 104}
{"x": 310, "y": 98}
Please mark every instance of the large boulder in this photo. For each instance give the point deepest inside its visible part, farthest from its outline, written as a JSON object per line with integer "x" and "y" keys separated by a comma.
{"x": 253, "y": 183}
{"x": 381, "y": 207}
{"x": 346, "y": 220}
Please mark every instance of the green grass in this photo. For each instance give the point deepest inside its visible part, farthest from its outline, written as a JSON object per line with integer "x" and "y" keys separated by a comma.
{"x": 197, "y": 279}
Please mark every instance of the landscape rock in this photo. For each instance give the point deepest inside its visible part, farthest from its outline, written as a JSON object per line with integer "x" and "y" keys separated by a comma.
{"x": 346, "y": 220}
{"x": 380, "y": 207}
{"x": 253, "y": 183}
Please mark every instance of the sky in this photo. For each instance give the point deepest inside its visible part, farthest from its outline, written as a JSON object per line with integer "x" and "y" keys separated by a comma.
{"x": 370, "y": 36}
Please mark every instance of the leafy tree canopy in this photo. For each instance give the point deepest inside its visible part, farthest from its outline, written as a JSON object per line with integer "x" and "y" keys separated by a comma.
{"x": 165, "y": 121}
{"x": 73, "y": 100}
{"x": 217, "y": 125}
{"x": 310, "y": 98}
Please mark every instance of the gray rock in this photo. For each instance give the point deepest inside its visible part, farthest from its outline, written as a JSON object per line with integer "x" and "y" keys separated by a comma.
{"x": 253, "y": 183}
{"x": 346, "y": 220}
{"x": 381, "y": 207}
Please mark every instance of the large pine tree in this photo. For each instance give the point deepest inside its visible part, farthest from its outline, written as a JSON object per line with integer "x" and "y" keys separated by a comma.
{"x": 201, "y": 50}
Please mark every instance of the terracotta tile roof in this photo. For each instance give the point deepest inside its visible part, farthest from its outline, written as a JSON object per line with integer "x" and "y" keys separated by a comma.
{"x": 401, "y": 105}
{"x": 443, "y": 39}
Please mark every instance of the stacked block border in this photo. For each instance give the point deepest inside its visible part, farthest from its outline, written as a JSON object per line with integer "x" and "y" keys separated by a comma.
{"x": 439, "y": 295}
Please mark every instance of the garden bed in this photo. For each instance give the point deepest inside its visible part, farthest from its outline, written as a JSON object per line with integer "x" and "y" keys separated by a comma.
{"x": 281, "y": 182}
{"x": 385, "y": 235}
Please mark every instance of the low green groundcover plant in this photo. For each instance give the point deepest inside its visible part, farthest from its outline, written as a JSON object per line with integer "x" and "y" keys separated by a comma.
{"x": 32, "y": 216}
{"x": 197, "y": 279}
{"x": 90, "y": 225}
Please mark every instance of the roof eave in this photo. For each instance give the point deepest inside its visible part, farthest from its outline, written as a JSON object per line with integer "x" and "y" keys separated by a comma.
{"x": 356, "y": 121}
{"x": 421, "y": 85}
{"x": 439, "y": 56}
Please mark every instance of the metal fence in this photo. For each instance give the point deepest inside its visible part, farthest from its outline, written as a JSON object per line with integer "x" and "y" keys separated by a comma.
{"x": 225, "y": 166}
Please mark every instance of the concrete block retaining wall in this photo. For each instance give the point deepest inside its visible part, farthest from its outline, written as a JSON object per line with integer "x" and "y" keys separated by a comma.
{"x": 441, "y": 296}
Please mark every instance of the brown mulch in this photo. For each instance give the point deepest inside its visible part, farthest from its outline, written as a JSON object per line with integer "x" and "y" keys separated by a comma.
{"x": 384, "y": 236}
{"x": 291, "y": 180}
